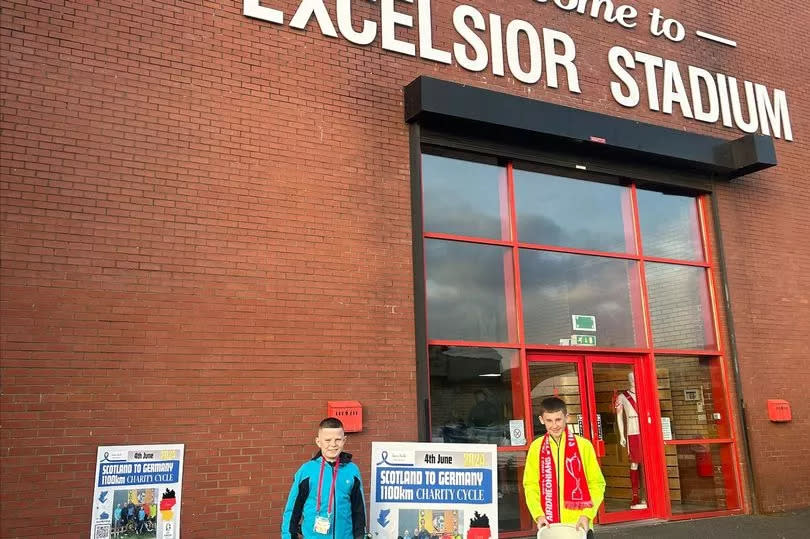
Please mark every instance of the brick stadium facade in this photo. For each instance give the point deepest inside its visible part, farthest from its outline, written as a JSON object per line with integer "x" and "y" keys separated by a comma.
{"x": 207, "y": 234}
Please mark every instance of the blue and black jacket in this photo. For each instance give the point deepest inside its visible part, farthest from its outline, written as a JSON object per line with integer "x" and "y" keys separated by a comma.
{"x": 348, "y": 518}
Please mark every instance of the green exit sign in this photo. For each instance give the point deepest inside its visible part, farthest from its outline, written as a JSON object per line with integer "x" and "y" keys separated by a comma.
{"x": 583, "y": 322}
{"x": 583, "y": 340}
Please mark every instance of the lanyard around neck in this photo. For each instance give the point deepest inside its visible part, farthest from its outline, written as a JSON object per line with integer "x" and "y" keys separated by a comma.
{"x": 331, "y": 489}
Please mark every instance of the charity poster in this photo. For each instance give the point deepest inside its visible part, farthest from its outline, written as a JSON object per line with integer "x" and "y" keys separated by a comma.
{"x": 137, "y": 492}
{"x": 434, "y": 491}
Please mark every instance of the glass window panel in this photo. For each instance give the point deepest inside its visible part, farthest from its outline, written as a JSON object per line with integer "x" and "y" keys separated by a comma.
{"x": 701, "y": 478}
{"x": 690, "y": 392}
{"x": 565, "y": 212}
{"x": 556, "y": 286}
{"x": 680, "y": 307}
{"x": 470, "y": 292}
{"x": 474, "y": 393}
{"x": 669, "y": 225}
{"x": 561, "y": 379}
{"x": 464, "y": 198}
{"x": 512, "y": 512}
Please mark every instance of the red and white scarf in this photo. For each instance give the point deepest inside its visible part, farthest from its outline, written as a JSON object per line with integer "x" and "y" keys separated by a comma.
{"x": 575, "y": 486}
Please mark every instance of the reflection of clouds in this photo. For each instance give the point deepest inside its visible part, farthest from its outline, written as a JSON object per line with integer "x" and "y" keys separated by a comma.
{"x": 449, "y": 216}
{"x": 465, "y": 291}
{"x": 465, "y": 264}
{"x": 582, "y": 291}
{"x": 557, "y": 285}
{"x": 679, "y": 293}
{"x": 611, "y": 307}
{"x": 443, "y": 292}
{"x": 538, "y": 229}
{"x": 476, "y": 318}
{"x": 543, "y": 231}
{"x": 461, "y": 197}
{"x": 548, "y": 289}
{"x": 553, "y": 210}
{"x": 467, "y": 298}
{"x": 669, "y": 225}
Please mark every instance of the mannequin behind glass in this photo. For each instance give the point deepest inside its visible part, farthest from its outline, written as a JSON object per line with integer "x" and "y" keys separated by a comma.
{"x": 630, "y": 436}
{"x": 621, "y": 413}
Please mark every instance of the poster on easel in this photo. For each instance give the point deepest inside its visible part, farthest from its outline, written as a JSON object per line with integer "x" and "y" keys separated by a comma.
{"x": 434, "y": 491}
{"x": 137, "y": 492}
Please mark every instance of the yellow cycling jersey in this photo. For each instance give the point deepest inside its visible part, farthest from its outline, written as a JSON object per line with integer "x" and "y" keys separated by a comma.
{"x": 593, "y": 475}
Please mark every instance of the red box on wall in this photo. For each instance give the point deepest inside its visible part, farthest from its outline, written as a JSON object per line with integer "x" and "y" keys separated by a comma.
{"x": 703, "y": 461}
{"x": 779, "y": 410}
{"x": 350, "y": 414}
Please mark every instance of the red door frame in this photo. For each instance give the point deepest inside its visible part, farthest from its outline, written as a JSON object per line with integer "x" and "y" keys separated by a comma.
{"x": 653, "y": 465}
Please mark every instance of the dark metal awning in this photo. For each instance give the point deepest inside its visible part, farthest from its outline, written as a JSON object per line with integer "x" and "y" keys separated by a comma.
{"x": 436, "y": 102}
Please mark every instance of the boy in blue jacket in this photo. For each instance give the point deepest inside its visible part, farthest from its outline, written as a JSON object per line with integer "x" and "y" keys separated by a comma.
{"x": 326, "y": 498}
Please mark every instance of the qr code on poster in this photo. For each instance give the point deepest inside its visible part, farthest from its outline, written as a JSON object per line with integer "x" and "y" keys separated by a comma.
{"x": 102, "y": 531}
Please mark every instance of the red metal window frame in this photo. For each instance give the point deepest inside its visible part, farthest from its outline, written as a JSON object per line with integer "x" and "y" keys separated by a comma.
{"x": 647, "y": 352}
{"x": 585, "y": 363}
{"x": 651, "y": 459}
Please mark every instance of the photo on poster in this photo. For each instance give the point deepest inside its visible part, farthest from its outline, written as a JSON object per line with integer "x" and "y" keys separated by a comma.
{"x": 434, "y": 491}
{"x": 431, "y": 523}
{"x": 135, "y": 513}
{"x": 137, "y": 492}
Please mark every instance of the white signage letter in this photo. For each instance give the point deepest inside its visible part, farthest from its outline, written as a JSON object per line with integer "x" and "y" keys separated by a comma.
{"x": 595, "y": 5}
{"x": 460, "y": 14}
{"x": 305, "y": 12}
{"x": 674, "y": 90}
{"x": 567, "y": 5}
{"x": 632, "y": 98}
{"x": 566, "y": 59}
{"x": 650, "y": 63}
{"x": 696, "y": 76}
{"x": 626, "y": 16}
{"x": 390, "y": 20}
{"x": 344, "y": 18}
{"x": 736, "y": 107}
{"x": 513, "y": 51}
{"x": 496, "y": 44}
{"x": 768, "y": 115}
{"x": 725, "y": 106}
{"x": 251, "y": 8}
{"x": 426, "y": 49}
{"x": 656, "y": 26}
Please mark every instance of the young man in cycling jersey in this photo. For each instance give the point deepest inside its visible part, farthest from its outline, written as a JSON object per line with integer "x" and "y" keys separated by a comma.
{"x": 326, "y": 497}
{"x": 562, "y": 480}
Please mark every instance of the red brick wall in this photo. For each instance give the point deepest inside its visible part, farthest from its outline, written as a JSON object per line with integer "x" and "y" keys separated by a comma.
{"x": 206, "y": 236}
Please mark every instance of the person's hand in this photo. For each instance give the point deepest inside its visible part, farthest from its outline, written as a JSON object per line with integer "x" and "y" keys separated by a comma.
{"x": 583, "y": 523}
{"x": 541, "y": 521}
{"x": 623, "y": 441}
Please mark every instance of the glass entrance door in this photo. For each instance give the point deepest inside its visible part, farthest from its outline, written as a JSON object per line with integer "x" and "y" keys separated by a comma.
{"x": 606, "y": 406}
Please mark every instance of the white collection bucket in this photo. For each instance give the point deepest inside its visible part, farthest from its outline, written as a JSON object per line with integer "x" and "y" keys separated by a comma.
{"x": 561, "y": 531}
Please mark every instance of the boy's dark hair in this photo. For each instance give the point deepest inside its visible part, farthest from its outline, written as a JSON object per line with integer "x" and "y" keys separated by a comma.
{"x": 553, "y": 404}
{"x": 330, "y": 423}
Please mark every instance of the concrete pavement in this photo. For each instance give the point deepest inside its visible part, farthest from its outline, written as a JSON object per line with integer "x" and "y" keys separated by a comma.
{"x": 788, "y": 525}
